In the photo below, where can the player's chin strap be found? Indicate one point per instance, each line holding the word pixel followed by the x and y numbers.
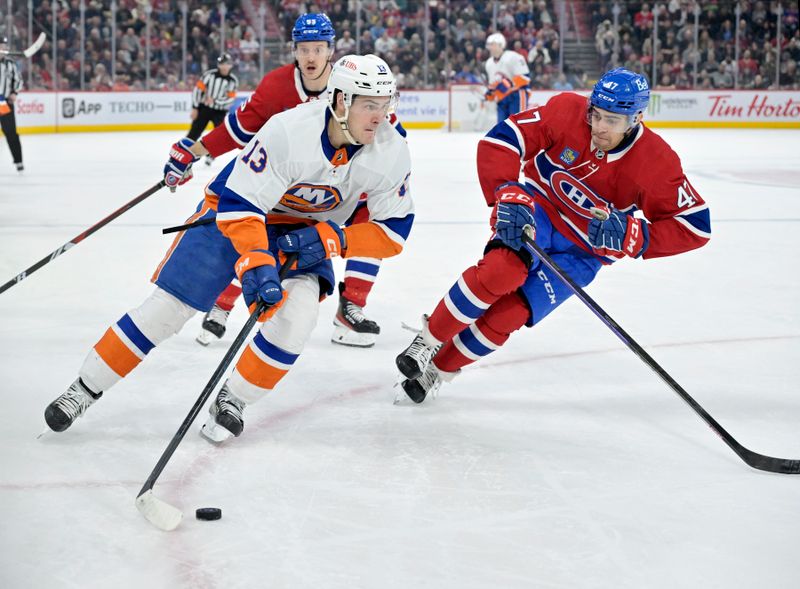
pixel 343 123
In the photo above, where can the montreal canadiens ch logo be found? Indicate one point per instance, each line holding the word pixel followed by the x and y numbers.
pixel 578 197
pixel 311 198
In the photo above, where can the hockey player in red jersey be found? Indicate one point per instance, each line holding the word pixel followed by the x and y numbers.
pixel 576 156
pixel 313 38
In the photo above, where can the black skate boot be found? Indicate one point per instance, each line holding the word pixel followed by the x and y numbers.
pixel 213 325
pixel 415 358
pixel 225 417
pixel 418 389
pixel 69 406
pixel 352 326
pixel 209 160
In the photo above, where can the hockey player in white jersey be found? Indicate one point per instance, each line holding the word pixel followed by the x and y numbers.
pixel 291 189
pixel 509 78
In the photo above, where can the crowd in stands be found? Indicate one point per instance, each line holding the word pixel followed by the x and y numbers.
pixel 456 37
pixel 130 62
pixel 631 45
pixel 396 30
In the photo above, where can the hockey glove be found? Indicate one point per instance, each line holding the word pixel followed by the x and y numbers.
pixel 260 282
pixel 513 211
pixel 314 244
pixel 178 169
pixel 499 90
pixel 612 231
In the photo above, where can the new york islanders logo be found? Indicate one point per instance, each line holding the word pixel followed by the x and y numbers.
pixel 311 198
pixel 573 193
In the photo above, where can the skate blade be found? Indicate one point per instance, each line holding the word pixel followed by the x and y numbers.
pixel 410 328
pixel 400 397
pixel 205 337
pixel 347 337
pixel 214 433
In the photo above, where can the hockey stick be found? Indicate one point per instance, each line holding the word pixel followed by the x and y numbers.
pixel 177 228
pixel 30 50
pixel 158 512
pixel 753 459
pixel 79 238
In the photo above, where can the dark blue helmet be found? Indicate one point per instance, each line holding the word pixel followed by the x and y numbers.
pixel 313 27
pixel 621 91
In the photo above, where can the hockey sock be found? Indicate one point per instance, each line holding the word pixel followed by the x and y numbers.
pixel 486 335
pixel 260 368
pixel 498 273
pixel 126 343
pixel 359 278
pixel 227 299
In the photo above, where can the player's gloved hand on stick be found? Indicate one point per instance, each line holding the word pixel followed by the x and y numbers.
pixel 499 90
pixel 612 231
pixel 178 169
pixel 513 211
pixel 259 277
pixel 314 244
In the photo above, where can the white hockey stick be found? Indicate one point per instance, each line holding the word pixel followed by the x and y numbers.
pixel 30 50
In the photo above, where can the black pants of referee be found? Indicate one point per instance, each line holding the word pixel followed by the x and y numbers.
pixel 204 115
pixel 8 123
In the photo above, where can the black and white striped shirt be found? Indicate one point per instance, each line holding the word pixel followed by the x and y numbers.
pixel 221 89
pixel 10 78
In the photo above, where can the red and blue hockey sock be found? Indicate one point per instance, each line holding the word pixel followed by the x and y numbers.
pixel 359 278
pixel 227 299
pixel 499 272
pixel 486 335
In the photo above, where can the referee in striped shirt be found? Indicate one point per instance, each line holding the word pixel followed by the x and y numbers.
pixel 10 84
pixel 212 96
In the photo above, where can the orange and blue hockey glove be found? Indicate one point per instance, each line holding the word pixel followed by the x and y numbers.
pixel 259 277
pixel 314 244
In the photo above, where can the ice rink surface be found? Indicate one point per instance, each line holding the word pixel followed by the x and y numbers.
pixel 561 461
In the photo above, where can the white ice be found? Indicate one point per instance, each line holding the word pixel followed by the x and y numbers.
pixel 560 461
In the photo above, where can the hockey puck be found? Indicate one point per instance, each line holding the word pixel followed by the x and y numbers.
pixel 208 513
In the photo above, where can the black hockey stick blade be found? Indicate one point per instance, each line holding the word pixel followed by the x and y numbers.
pixel 753 459
pixel 158 512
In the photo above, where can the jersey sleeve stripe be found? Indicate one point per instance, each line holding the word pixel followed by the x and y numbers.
pixel 397 229
pixel 506 135
pixel 698 223
pixel 235 206
pixel 235 130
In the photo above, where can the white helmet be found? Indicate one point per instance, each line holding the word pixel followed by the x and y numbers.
pixel 366 75
pixel 497 38
pixel 359 75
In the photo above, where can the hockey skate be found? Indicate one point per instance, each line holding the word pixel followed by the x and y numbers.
pixel 69 406
pixel 209 160
pixel 20 167
pixel 413 361
pixel 352 328
pixel 418 389
pixel 225 417
pixel 213 325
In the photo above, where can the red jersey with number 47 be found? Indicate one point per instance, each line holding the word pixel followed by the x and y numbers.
pixel 569 176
